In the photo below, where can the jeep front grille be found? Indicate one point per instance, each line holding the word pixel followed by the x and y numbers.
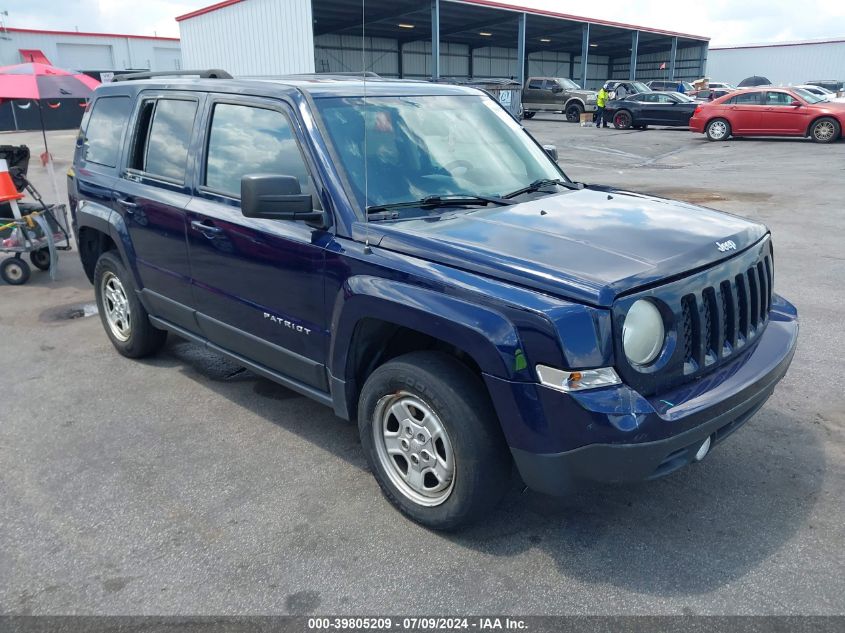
pixel 731 313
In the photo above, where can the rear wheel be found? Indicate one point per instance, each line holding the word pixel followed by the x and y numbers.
pixel 125 320
pixel 528 115
pixel 825 130
pixel 573 112
pixel 432 440
pixel 622 120
pixel 718 130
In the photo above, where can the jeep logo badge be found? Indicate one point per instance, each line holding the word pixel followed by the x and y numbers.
pixel 726 246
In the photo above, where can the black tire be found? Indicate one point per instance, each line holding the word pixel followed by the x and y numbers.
pixel 528 115
pixel 480 458
pixel 825 130
pixel 717 130
pixel 574 112
pixel 15 271
pixel 40 258
pixel 141 338
pixel 622 120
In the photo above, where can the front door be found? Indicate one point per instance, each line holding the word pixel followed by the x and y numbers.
pixel 152 194
pixel 258 284
pixel 780 116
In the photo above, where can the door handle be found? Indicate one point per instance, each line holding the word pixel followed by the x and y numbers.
pixel 206 229
pixel 127 204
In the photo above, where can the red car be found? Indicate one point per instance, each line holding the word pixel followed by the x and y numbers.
pixel 768 111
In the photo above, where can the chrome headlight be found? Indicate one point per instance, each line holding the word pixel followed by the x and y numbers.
pixel 643 333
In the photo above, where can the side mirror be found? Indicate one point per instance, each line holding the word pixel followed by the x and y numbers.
pixel 273 197
pixel 557 88
pixel 795 103
pixel 551 150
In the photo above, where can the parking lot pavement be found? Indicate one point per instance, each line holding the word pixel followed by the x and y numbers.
pixel 184 485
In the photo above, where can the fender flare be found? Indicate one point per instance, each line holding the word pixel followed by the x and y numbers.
pixel 572 100
pixel 484 334
pixel 107 221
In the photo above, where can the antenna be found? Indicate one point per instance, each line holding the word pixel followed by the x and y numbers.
pixel 367 249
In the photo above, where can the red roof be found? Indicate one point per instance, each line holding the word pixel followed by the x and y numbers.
pixel 493 4
pixel 86 34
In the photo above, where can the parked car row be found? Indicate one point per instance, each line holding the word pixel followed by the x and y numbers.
pixel 719 111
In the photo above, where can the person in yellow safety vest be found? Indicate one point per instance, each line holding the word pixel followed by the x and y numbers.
pixel 601 102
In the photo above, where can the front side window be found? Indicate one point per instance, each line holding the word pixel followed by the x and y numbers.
pixel 778 99
pixel 249 140
pixel 108 119
pixel 402 149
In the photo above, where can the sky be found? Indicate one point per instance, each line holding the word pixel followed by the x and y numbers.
pixel 724 21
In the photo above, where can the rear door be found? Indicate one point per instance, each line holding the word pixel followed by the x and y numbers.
pixel 258 284
pixel 152 194
pixel 781 117
pixel 532 96
pixel 745 112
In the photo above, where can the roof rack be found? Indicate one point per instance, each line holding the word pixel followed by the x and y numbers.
pixel 213 73
pixel 350 73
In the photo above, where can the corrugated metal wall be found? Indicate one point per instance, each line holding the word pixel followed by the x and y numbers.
pixel 687 65
pixel 102 52
pixel 785 65
pixel 259 38
pixel 416 59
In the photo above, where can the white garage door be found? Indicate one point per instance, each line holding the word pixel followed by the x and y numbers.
pixel 85 56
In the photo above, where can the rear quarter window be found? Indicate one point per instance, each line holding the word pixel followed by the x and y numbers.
pixel 108 118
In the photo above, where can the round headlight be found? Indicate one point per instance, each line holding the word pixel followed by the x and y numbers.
pixel 643 333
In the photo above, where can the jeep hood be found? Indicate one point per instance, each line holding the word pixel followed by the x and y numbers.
pixel 588 245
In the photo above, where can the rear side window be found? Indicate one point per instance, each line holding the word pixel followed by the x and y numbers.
pixel 106 123
pixel 747 98
pixel 249 140
pixel 535 84
pixel 162 138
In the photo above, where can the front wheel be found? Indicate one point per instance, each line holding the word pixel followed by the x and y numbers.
pixel 15 271
pixel 718 130
pixel 125 320
pixel 432 440
pixel 825 130
pixel 573 112
pixel 622 120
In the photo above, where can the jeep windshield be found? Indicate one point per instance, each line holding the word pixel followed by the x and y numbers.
pixel 460 150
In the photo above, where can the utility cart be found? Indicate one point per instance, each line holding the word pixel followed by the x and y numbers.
pixel 34 228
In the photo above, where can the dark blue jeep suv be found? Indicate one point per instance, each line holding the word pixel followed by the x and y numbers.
pixel 407 254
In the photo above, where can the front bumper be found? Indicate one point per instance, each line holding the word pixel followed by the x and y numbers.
pixel 590 107
pixel 622 436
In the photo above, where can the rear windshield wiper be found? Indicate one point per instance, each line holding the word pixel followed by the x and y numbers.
pixel 540 184
pixel 435 202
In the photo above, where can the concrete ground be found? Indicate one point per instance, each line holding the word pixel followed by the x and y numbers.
pixel 181 485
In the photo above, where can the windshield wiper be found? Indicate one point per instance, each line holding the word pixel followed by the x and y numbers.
pixel 540 184
pixel 435 202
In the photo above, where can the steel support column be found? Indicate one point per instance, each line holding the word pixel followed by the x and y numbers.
pixel 585 53
pixel 673 56
pixel 520 51
pixel 702 60
pixel 435 39
pixel 635 42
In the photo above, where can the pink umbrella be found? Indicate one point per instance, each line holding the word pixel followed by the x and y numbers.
pixel 41 81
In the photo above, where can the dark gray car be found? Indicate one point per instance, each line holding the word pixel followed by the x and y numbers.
pixel 556 94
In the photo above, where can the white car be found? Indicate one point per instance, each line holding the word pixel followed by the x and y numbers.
pixel 824 93
pixel 714 85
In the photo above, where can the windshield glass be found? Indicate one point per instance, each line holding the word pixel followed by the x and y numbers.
pixel 807 96
pixel 430 146
pixel 568 84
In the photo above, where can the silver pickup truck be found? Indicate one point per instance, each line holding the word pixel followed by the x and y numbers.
pixel 556 94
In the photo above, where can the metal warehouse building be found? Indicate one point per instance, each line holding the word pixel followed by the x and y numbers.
pixel 459 39
pixel 783 64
